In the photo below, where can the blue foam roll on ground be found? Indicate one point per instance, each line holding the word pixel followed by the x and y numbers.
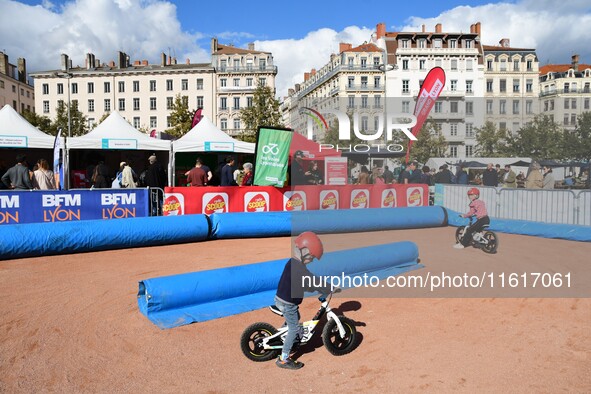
pixel 250 225
pixel 16 241
pixel 372 219
pixel 281 224
pixel 570 232
pixel 177 300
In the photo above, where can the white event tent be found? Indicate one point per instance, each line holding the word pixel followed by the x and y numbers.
pixel 17 132
pixel 206 137
pixel 115 133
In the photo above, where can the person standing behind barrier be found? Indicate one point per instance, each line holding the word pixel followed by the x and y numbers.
pixel 156 178
pixel 228 173
pixel 388 175
pixel 477 209
pixel 44 176
pixel 197 176
pixel 128 177
pixel 500 174
pixel 490 177
pixel 534 179
pixel 520 180
pixel 426 176
pixel 363 178
pixel 248 175
pixel 509 178
pixel 100 176
pixel 461 176
pixel 17 177
pixel 548 180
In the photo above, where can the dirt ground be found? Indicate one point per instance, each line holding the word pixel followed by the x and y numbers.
pixel 71 324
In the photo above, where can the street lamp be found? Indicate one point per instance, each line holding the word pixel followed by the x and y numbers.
pixel 68 76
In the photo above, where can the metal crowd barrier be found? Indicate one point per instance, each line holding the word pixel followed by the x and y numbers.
pixel 538 205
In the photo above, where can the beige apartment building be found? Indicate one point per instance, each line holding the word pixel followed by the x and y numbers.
pixel 237 73
pixel 565 91
pixel 14 87
pixel 144 93
pixel 351 80
pixel 512 89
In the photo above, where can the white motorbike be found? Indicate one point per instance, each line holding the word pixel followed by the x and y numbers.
pixel 263 342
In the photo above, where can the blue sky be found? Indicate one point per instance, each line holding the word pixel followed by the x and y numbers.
pixel 301 35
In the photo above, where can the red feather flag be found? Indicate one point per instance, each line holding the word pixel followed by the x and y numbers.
pixel 197 117
pixel 428 94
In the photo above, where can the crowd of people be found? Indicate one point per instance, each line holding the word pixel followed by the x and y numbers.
pixel 20 177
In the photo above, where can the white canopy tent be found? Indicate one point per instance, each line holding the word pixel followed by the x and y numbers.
pixel 206 137
pixel 17 132
pixel 436 162
pixel 115 133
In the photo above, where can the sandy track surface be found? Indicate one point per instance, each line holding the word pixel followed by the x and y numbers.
pixel 71 324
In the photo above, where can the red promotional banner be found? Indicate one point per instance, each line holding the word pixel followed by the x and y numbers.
pixel 208 200
pixel 428 94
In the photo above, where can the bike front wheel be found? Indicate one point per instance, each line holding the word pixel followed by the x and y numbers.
pixel 459 234
pixel 333 342
pixel 491 242
pixel 251 342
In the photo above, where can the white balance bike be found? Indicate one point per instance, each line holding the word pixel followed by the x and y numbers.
pixel 263 342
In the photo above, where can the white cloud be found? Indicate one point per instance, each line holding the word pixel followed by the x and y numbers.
pixel 555 29
pixel 142 29
pixel 295 57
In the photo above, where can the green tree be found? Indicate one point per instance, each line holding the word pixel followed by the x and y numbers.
pixel 490 141
pixel 181 117
pixel 577 143
pixel 540 139
pixel 78 122
pixel 429 143
pixel 263 112
pixel 43 123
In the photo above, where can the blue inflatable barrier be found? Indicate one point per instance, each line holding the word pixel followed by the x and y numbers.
pixel 177 300
pixel 42 239
pixel 569 232
pixel 282 224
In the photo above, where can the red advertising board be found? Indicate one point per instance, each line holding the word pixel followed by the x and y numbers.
pixel 199 200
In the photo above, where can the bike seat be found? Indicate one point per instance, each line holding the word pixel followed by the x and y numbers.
pixel 275 310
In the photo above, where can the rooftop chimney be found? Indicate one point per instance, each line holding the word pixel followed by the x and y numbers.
pixel 505 42
pixel 112 64
pixel 472 28
pixel 163 59
pixel 313 72
pixel 251 46
pixel 121 60
pixel 97 63
pixel 575 62
pixel 477 28
pixel 438 28
pixel 3 63
pixel 89 61
pixel 188 61
pixel 144 63
pixel 380 30
pixel 214 45
pixel 306 76
pixel 65 62
pixel 343 46
pixel 22 70
pixel 423 28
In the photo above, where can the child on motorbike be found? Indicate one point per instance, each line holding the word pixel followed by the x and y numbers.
pixel 478 209
pixel 290 291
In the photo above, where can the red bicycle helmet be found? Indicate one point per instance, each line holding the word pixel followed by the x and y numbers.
pixel 474 191
pixel 311 241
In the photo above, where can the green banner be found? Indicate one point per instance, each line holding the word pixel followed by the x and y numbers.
pixel 272 156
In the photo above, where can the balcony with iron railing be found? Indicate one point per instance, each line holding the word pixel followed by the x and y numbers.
pixel 247 69
pixel 365 87
pixel 553 92
pixel 342 67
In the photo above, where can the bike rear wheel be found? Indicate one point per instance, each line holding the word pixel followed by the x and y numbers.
pixel 492 242
pixel 251 342
pixel 333 342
